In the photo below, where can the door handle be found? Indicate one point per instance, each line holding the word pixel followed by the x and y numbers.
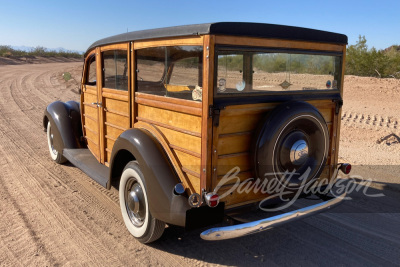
pixel 99 105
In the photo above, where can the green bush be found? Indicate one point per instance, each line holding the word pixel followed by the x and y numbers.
pixel 39 51
pixel 362 61
pixel 67 76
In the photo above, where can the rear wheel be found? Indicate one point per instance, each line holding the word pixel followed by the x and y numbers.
pixel 135 207
pixel 54 154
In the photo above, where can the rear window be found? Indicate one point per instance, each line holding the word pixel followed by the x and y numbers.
pixel 262 72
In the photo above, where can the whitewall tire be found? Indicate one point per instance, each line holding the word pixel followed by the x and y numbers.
pixel 135 206
pixel 54 154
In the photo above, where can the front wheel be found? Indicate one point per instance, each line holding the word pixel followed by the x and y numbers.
pixel 54 154
pixel 135 206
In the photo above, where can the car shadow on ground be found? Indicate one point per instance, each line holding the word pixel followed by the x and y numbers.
pixel 363 229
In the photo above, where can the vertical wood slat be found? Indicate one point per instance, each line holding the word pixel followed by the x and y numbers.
pixel 130 84
pixel 133 85
pixel 206 129
pixel 99 100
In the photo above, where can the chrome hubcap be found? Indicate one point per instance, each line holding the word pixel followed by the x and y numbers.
pixel 299 152
pixel 135 202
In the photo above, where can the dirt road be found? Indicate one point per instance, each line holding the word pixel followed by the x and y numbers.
pixel 53 215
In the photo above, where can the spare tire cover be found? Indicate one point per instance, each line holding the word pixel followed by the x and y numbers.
pixel 291 145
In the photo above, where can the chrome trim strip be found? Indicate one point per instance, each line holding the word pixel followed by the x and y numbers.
pixel 228 232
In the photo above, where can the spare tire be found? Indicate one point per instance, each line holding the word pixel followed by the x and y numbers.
pixel 291 145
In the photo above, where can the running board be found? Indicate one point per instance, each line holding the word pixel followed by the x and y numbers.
pixel 84 160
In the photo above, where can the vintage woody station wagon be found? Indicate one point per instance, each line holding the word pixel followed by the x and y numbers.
pixel 179 118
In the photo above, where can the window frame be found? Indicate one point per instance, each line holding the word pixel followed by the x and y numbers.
pixel 253 49
pixel 103 68
pixel 88 62
pixel 169 68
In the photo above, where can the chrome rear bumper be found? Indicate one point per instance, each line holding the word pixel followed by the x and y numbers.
pixel 228 232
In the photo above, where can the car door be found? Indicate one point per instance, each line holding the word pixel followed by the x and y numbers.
pixel 115 97
pixel 90 103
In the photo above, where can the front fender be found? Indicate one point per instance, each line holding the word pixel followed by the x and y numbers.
pixel 66 121
pixel 159 175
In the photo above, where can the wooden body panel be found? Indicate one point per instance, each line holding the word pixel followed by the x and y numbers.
pixel 233 137
pixel 201 152
pixel 276 43
pixel 115 109
pixel 90 119
pixel 179 131
pixel 116 121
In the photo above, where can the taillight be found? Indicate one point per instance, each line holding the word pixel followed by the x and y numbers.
pixel 211 199
pixel 345 168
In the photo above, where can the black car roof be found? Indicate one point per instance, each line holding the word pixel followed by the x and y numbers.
pixel 248 29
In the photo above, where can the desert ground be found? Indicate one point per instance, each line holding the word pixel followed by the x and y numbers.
pixel 55 215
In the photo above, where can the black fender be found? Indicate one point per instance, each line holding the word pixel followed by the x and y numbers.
pixel 66 124
pixel 159 174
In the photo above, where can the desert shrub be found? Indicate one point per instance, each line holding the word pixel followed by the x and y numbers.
pixel 362 61
pixel 67 76
pixel 39 51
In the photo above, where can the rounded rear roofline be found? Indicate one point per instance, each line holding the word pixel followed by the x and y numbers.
pixel 248 29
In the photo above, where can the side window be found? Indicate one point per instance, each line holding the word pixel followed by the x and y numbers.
pixel 174 71
pixel 230 72
pixel 150 70
pixel 91 71
pixel 115 69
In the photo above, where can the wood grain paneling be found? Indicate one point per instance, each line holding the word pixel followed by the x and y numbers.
pixel 116 105
pixel 207 148
pixel 234 143
pixel 89 98
pixel 112 131
pixel 114 47
pixel 93 125
pixel 93 136
pixel 177 123
pixel 121 97
pixel 227 162
pixel 171 100
pixel 186 141
pixel 154 130
pixel 171 118
pixel 109 142
pixel 188 162
pixel 197 40
pixel 116 119
pixel 91 90
pixel 234 135
pixel 169 106
pixel 276 43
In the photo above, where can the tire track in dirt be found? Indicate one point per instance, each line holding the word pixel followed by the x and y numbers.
pixel 23 141
pixel 369 121
pixel 48 211
pixel 19 141
pixel 66 218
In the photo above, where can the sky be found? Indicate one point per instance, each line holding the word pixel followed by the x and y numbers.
pixel 75 25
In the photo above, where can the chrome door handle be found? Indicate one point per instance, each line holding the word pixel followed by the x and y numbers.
pixel 97 104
